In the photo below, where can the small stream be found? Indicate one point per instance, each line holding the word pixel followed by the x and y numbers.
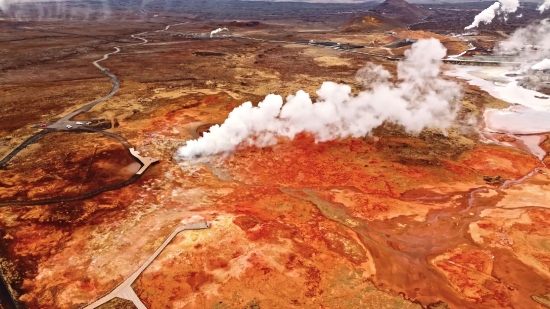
pixel 523 125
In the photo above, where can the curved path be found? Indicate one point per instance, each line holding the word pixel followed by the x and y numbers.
pixel 61 125
pixel 124 290
pixel 39 202
pixel 6 299
pixel 144 161
pixel 23 145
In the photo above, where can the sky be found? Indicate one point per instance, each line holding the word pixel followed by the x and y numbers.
pixel 359 1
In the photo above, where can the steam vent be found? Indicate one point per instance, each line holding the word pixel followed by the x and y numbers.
pixel 271 154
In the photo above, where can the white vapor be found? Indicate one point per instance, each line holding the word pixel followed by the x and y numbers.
pixel 421 98
pixel 486 16
pixel 544 6
pixel 217 31
pixel 55 9
pixel 542 65
pixel 530 45
pixel 501 7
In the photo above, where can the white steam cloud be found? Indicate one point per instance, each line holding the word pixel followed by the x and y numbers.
pixel 217 31
pixel 73 9
pixel 486 16
pixel 544 6
pixel 542 65
pixel 530 45
pixel 421 98
pixel 54 9
pixel 501 7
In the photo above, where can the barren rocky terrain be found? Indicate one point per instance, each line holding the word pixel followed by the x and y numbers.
pixel 391 220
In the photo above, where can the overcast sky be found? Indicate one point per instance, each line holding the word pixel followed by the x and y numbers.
pixel 412 1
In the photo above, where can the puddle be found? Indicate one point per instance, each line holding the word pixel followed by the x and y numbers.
pixel 524 122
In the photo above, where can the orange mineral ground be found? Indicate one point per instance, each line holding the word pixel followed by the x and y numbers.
pixel 388 221
pixel 380 222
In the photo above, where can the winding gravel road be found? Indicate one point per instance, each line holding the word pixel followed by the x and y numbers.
pixel 61 125
pixel 124 289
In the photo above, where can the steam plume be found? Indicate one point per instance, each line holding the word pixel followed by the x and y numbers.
pixel 531 44
pixel 217 31
pixel 421 98
pixel 55 9
pixel 544 6
pixel 542 65
pixel 501 7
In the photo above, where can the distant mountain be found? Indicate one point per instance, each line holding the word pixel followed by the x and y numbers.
pixel 402 11
pixel 373 22
pixel 363 1
pixel 319 1
pixel 366 1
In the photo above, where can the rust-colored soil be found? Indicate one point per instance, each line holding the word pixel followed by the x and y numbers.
pixel 61 168
pixel 386 221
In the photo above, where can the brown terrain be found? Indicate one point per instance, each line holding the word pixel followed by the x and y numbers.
pixel 453 17
pixel 402 10
pixel 388 15
pixel 391 220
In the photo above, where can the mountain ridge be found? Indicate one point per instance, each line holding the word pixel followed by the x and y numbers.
pixel 402 10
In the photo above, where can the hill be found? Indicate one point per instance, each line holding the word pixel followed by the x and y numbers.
pixel 402 11
pixel 372 22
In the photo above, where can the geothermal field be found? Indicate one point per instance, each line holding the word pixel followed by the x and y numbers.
pixel 264 154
